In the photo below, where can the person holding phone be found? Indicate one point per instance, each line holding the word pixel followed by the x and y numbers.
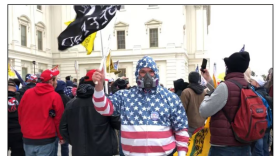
pixel 226 96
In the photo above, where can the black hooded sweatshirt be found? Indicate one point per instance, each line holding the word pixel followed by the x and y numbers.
pixel 89 133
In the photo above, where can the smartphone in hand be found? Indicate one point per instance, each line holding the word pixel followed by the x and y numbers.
pixel 203 66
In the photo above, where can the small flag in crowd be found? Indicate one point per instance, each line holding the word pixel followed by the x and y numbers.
pixel 202 80
pixel 242 49
pixel 19 77
pixel 89 19
pixel 109 65
pixel 116 64
pixel 214 76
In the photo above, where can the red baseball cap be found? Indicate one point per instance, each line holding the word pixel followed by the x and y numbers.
pixel 48 74
pixel 89 75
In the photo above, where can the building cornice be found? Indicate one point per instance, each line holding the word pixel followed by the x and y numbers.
pixel 28 56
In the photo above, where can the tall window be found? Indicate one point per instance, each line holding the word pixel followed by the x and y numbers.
pixel 23 35
pixel 154 37
pixel 121 39
pixel 23 71
pixel 39 7
pixel 40 40
pixel 123 73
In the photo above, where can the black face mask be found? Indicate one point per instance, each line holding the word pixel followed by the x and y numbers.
pixel 148 81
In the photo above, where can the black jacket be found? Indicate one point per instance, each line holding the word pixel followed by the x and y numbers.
pixel 64 97
pixel 25 88
pixel 13 124
pixel 89 133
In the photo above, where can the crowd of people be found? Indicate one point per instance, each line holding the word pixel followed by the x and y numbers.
pixel 142 120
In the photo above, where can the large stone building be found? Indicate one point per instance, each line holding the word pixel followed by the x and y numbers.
pixel 174 35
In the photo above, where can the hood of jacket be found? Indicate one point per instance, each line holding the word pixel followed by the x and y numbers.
pixel 85 91
pixel 60 86
pixel 197 88
pixel 43 88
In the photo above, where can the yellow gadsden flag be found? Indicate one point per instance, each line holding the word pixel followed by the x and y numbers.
pixel 88 42
pixel 110 66
pixel 10 71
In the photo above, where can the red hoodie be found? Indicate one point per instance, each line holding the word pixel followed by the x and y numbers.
pixel 33 112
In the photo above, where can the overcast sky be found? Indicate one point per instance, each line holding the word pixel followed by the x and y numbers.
pixel 235 25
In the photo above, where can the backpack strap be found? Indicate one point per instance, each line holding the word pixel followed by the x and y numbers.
pixel 236 83
pixel 241 87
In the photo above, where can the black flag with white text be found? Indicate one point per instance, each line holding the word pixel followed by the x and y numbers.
pixel 89 19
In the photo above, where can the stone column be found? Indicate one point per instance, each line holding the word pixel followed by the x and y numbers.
pixel 171 72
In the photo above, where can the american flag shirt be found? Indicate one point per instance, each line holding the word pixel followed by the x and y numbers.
pixel 153 122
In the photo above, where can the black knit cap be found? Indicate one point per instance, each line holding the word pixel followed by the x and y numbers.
pixel 238 62
pixel 194 77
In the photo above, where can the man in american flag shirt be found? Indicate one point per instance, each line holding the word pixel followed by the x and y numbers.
pixel 153 119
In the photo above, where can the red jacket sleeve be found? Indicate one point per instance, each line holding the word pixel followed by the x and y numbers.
pixel 59 108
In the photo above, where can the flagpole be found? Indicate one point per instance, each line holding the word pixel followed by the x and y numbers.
pixel 104 64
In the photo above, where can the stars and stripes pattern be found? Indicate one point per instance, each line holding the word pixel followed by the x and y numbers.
pixel 148 119
pixel 68 91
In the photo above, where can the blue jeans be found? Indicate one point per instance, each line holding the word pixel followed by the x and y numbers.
pixel 230 151
pixel 261 146
pixel 120 144
pixel 64 148
pixel 39 150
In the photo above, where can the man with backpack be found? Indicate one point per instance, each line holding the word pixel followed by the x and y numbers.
pixel 224 105
pixel 260 147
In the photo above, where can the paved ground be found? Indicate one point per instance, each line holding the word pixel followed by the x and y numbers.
pixel 59 152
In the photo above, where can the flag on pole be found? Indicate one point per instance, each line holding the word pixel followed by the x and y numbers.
pixel 10 71
pixel 19 77
pixel 88 43
pixel 242 49
pixel 89 19
pixel 214 76
pixel 202 80
pixel 109 65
